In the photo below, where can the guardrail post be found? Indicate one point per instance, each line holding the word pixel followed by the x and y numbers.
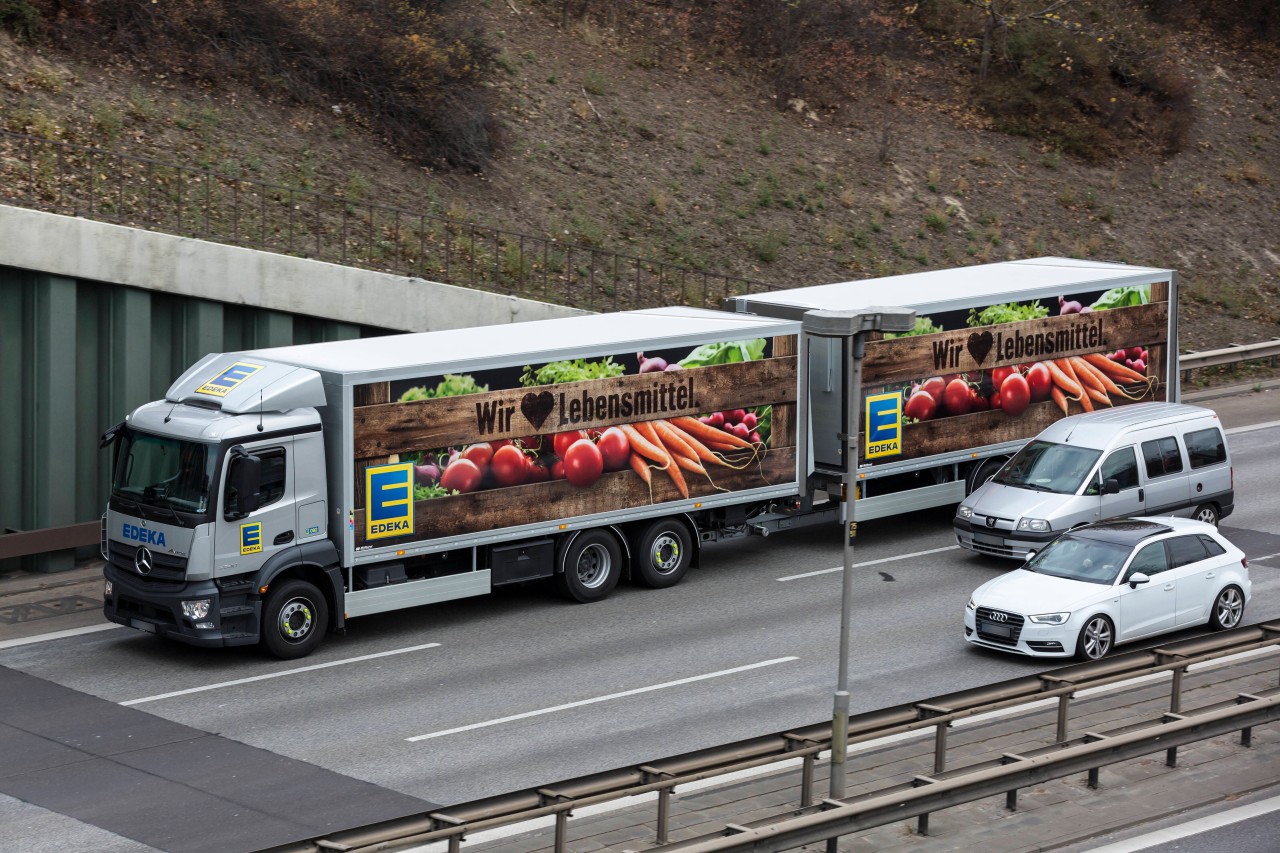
pixel 652 774
pixel 808 763
pixel 1090 737
pixel 562 817
pixel 1246 734
pixel 1171 754
pixel 940 733
pixel 922 822
pixel 1011 796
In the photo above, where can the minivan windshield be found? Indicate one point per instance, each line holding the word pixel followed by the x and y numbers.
pixel 164 472
pixel 1079 559
pixel 1048 467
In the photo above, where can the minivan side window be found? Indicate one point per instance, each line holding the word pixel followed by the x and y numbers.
pixel 1205 447
pixel 1162 457
pixel 1121 465
pixel 1184 550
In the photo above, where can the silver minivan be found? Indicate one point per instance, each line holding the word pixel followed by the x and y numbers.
pixel 1147 459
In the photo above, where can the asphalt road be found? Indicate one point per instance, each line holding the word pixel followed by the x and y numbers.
pixel 454 702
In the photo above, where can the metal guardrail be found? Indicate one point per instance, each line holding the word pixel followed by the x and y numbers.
pixel 1233 355
pixel 140 192
pixel 834 817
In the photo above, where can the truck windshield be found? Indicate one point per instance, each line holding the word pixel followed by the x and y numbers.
pixel 1048 467
pixel 164 472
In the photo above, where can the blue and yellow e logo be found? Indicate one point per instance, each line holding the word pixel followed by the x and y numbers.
pixel 388 501
pixel 251 538
pixel 219 385
pixel 883 426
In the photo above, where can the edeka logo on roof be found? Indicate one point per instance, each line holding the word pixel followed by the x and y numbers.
pixel 220 385
pixel 883 425
pixel 388 502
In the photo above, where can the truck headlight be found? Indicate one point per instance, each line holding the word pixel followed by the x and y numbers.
pixel 963 511
pixel 197 609
pixel 1037 524
pixel 106 588
pixel 1050 618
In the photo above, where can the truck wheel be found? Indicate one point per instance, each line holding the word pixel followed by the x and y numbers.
pixel 1208 513
pixel 983 471
pixel 294 620
pixel 590 567
pixel 662 554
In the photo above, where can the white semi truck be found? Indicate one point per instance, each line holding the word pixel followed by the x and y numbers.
pixel 274 494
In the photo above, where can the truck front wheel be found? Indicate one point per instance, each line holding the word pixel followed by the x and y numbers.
pixel 662 554
pixel 294 619
pixel 591 566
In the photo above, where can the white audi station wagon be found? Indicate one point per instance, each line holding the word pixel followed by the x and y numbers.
pixel 1108 583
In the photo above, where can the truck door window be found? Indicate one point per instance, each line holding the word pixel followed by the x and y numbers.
pixel 1162 457
pixel 273 474
pixel 1205 447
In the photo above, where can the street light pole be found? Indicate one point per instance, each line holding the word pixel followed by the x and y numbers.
pixel 851 327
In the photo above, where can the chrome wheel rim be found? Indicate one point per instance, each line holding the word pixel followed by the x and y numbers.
pixel 594 565
pixel 1096 638
pixel 665 554
pixel 1207 515
pixel 1230 607
pixel 295 620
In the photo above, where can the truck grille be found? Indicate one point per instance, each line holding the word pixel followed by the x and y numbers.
pixel 997 626
pixel 165 568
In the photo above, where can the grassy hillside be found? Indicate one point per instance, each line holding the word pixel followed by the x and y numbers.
pixel 635 128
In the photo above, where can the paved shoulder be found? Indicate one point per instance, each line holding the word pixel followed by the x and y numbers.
pixel 167 785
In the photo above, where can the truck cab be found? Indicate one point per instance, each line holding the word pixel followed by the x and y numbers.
pixel 218 499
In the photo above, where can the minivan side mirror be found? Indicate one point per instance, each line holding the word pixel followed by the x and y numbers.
pixel 1111 486
pixel 1137 578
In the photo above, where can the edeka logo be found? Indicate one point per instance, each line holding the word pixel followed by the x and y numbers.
pixel 883 426
pixel 142 534
pixel 251 538
pixel 221 384
pixel 388 501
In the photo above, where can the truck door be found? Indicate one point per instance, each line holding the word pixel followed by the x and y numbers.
pixel 1168 489
pixel 244 544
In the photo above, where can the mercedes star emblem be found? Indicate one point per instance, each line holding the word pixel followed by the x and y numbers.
pixel 143 561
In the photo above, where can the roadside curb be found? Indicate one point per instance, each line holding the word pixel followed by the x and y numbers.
pixel 1231 391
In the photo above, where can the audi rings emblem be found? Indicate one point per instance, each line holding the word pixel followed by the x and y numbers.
pixel 143 561
pixel 991 521
pixel 996 616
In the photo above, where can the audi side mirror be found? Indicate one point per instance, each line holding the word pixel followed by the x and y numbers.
pixel 1137 578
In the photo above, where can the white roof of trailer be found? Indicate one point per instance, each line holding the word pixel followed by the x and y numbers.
pixel 535 341
pixel 959 287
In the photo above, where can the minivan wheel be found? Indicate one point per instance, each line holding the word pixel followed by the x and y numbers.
pixel 1228 609
pixel 1208 513
pixel 1096 638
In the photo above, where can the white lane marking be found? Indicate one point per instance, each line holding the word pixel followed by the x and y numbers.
pixel 1268 557
pixel 1252 427
pixel 569 705
pixel 872 562
pixel 56 635
pixel 535 824
pixel 1192 827
pixel 312 668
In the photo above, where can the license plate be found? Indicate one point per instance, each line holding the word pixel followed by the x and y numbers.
pixel 146 627
pixel 986 539
pixel 997 630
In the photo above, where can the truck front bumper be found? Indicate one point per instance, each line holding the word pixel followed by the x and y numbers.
pixel 232 619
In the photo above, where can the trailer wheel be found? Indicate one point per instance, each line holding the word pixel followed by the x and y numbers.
pixel 294 620
pixel 590 566
pixel 983 471
pixel 662 553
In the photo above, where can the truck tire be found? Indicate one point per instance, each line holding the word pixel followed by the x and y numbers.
pixel 294 619
pixel 983 471
pixel 590 567
pixel 662 553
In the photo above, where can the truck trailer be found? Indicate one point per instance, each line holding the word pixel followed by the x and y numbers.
pixel 274 494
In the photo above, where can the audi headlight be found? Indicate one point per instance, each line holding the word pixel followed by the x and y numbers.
pixel 1050 618
pixel 972 605
pixel 197 609
pixel 1037 524
pixel 963 511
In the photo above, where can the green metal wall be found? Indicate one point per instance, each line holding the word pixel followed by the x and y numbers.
pixel 75 357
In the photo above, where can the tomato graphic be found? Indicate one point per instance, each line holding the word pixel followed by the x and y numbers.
pixel 1040 381
pixel 956 397
pixel 615 449
pixel 510 467
pixel 920 406
pixel 461 475
pixel 583 463
pixel 1015 394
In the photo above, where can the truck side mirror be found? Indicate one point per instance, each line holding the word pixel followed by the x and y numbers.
pixel 109 437
pixel 1111 486
pixel 244 479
